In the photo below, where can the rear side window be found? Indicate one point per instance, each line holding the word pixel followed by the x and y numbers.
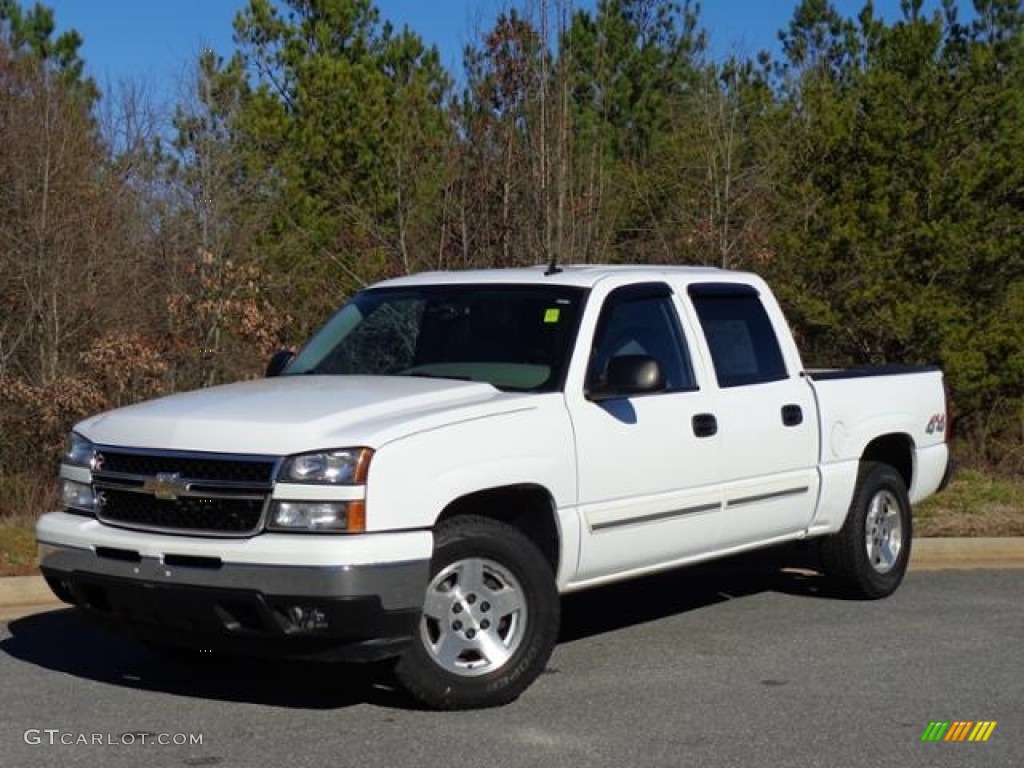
pixel 744 348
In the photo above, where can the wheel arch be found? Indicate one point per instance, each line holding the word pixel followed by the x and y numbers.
pixel 527 507
pixel 896 450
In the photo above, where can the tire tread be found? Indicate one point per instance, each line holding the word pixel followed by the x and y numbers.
pixel 421 678
pixel 843 557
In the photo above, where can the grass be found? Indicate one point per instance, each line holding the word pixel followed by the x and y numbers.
pixel 975 504
pixel 22 498
pixel 17 548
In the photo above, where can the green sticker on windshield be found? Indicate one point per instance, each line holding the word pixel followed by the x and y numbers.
pixel 551 315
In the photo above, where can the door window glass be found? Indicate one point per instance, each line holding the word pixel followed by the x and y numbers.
pixel 744 348
pixel 642 323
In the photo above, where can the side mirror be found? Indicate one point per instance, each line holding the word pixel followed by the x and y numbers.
pixel 630 375
pixel 279 362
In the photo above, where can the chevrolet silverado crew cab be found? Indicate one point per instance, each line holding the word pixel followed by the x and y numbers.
pixel 453 451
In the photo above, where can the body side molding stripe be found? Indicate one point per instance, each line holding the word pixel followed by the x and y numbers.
pixel 655 517
pixel 767 496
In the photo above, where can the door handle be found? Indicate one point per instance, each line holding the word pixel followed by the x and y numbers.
pixel 792 415
pixel 705 425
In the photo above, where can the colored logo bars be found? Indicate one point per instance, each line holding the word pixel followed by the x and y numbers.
pixel 958 730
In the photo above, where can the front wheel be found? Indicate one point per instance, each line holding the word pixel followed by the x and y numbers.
pixel 490 618
pixel 868 557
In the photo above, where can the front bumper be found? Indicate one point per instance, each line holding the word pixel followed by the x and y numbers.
pixel 201 593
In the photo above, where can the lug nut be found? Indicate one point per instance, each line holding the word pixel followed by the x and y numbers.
pixel 456 625
pixel 457 608
pixel 470 633
pixel 485 624
pixel 471 599
pixel 485 606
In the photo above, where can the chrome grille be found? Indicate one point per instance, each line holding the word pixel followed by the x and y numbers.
pixel 221 516
pixel 197 466
pixel 200 493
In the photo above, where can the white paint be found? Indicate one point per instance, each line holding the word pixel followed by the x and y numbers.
pixel 631 488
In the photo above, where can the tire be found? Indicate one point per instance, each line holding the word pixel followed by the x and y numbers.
pixel 490 618
pixel 868 557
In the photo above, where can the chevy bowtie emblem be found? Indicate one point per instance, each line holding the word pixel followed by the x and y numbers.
pixel 167 486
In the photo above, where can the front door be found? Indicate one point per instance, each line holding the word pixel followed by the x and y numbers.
pixel 649 465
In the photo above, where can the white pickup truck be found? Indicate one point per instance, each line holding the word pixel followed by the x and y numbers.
pixel 454 450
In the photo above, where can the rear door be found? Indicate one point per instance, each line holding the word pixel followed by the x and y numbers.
pixel 766 417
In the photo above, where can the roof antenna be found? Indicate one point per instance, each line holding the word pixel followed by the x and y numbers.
pixel 553 268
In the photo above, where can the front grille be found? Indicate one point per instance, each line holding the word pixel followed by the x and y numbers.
pixel 206 494
pixel 209 515
pixel 219 468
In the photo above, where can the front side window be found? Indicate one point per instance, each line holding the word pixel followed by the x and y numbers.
pixel 513 337
pixel 641 320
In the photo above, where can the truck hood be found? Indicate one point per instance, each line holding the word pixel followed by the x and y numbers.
pixel 293 414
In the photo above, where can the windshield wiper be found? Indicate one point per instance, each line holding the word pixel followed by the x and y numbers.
pixel 425 375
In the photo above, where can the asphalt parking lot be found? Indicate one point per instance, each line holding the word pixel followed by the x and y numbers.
pixel 737 664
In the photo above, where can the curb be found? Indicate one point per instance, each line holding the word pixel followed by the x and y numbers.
pixel 25 590
pixel 937 554
pixel 927 555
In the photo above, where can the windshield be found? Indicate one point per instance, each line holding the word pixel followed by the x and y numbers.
pixel 513 337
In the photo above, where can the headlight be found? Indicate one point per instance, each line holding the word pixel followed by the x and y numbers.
pixel 79 452
pixel 78 496
pixel 326 516
pixel 344 466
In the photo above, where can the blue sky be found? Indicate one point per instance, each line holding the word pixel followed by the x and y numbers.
pixel 156 41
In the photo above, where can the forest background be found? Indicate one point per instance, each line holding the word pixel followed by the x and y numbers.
pixel 871 170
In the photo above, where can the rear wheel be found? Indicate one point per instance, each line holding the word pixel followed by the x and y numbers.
pixel 490 618
pixel 868 557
